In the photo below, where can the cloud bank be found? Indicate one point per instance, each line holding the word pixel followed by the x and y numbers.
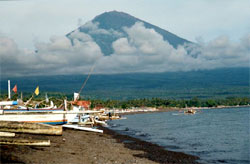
pixel 143 50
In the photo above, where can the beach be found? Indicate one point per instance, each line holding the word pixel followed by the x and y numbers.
pixel 86 147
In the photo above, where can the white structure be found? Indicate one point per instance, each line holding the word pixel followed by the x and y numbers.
pixel 9 96
pixel 76 96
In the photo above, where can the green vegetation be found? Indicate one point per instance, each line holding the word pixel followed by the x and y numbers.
pixel 58 98
pixel 164 103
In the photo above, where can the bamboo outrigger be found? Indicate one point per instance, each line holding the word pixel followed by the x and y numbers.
pixel 33 128
pixel 7 134
pixel 17 141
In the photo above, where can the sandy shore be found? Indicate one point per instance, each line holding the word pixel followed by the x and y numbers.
pixel 87 147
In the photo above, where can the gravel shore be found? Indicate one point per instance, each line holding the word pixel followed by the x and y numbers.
pixel 80 147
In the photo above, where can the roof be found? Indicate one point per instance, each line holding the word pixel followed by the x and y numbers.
pixel 83 103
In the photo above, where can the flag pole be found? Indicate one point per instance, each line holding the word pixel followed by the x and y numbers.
pixel 9 94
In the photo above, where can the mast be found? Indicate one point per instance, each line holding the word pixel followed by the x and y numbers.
pixel 83 85
pixel 21 95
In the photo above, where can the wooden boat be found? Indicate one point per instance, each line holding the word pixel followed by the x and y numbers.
pixel 10 112
pixel 50 116
pixel 190 111
pixel 32 110
pixel 55 117
pixel 14 107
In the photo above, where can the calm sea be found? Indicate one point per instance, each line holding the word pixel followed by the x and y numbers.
pixel 215 135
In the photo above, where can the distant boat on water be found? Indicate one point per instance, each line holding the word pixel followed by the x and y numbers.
pixel 190 111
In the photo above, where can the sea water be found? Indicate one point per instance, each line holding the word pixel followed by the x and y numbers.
pixel 215 135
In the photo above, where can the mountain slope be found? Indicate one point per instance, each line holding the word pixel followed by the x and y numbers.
pixel 203 84
pixel 116 21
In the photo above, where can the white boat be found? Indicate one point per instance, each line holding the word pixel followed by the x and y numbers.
pixel 46 117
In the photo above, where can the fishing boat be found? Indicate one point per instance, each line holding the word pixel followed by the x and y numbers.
pixel 14 107
pixel 27 109
pixel 190 111
pixel 55 116
pixel 12 111
pixel 49 117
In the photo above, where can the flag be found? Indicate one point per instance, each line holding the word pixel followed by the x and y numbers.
pixel 15 89
pixel 37 90
pixel 46 98
pixel 76 96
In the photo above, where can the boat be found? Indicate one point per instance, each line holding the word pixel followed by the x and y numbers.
pixel 20 108
pixel 44 116
pixel 12 111
pixel 190 111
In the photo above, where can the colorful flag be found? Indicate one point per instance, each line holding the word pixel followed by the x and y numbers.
pixel 15 89
pixel 37 90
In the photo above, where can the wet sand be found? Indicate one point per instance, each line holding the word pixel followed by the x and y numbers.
pixel 87 147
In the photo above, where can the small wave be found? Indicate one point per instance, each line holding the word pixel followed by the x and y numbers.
pixel 114 125
pixel 173 147
pixel 141 134
pixel 177 114
pixel 168 138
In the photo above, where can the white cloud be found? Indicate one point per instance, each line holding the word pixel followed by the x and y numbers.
pixel 144 50
pixel 93 28
pixel 57 57
pixel 121 46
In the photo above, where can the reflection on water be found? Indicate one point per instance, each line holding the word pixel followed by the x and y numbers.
pixel 215 135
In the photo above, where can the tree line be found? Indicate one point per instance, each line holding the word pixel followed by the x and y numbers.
pixel 143 102
pixel 164 103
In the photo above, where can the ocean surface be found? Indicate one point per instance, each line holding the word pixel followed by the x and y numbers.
pixel 215 135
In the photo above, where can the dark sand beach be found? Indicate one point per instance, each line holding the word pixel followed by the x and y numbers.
pixel 87 147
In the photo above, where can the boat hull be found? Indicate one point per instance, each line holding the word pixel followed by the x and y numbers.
pixel 32 110
pixel 49 117
pixel 39 118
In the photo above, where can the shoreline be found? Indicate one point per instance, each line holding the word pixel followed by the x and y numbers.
pixel 155 110
pixel 86 147
pixel 152 151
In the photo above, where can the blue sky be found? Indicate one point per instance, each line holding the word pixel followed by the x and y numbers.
pixel 28 21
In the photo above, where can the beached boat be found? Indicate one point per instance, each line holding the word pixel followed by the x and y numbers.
pixel 12 112
pixel 40 116
pixel 54 116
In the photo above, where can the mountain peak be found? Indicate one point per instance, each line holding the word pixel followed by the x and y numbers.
pixel 114 13
pixel 116 21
